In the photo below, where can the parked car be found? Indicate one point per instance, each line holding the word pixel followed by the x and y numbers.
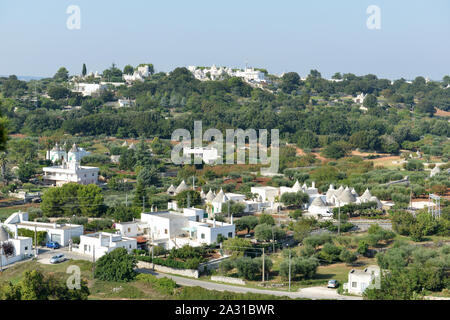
pixel 333 284
pixel 52 245
pixel 58 258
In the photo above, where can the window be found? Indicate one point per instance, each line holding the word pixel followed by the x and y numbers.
pixel 129 229
pixel 230 234
pixel 165 231
pixel 354 284
pixel 203 236
pixel 26 248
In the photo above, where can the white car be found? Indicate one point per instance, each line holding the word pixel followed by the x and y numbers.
pixel 57 259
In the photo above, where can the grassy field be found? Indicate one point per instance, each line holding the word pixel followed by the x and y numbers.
pixel 134 290
pixel 5 212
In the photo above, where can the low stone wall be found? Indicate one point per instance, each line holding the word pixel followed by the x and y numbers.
pixel 228 280
pixel 182 272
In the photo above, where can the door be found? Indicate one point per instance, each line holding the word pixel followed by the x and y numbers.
pixel 56 238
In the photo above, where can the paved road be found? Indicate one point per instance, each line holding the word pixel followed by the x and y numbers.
pixel 310 293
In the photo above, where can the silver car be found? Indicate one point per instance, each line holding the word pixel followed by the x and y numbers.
pixel 57 259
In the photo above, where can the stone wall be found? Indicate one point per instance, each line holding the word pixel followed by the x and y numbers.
pixel 183 272
pixel 228 280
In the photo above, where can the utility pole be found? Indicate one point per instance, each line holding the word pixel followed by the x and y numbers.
pixel 228 205
pixel 263 265
pixel 289 269
pixel 1 259
pixel 153 262
pixel 143 203
pixel 93 262
pixel 273 241
pixel 35 242
pixel 339 217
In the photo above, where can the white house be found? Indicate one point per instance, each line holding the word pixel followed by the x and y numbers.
pixel 23 247
pixel 360 98
pixel 127 229
pixel 71 170
pixel 60 233
pixel 173 229
pixel 360 280
pixel 88 89
pixel 436 170
pixel 139 74
pixel 101 243
pixel 249 75
pixel 58 154
pixel 209 155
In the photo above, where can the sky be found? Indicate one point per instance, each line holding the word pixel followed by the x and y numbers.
pixel 280 36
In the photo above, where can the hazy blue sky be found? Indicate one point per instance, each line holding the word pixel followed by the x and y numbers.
pixel 283 35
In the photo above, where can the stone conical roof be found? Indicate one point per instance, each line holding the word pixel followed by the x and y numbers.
pixel 318 202
pixel 171 189
pixel 220 197
pixel 202 194
pixel 182 187
pixel 346 196
pixel 366 195
pixel 296 187
pixel 339 191
pixel 74 148
pixel 353 191
pixel 210 196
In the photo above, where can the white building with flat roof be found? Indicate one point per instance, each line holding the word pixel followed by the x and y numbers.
pixel 71 171
pixel 101 243
pixel 209 155
pixel 127 229
pixel 22 247
pixel 60 233
pixel 88 89
pixel 173 229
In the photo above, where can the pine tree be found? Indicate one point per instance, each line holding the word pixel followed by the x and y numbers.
pixel 84 72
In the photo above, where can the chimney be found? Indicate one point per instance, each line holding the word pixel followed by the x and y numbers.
pixel 16 229
pixel 214 222
pixel 313 184
pixel 231 221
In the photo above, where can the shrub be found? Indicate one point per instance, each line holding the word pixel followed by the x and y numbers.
pixel 117 265
pixel 330 253
pixel 305 267
pixel 347 256
pixel 363 247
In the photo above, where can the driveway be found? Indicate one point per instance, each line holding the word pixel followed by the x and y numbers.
pixel 45 254
pixel 316 294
